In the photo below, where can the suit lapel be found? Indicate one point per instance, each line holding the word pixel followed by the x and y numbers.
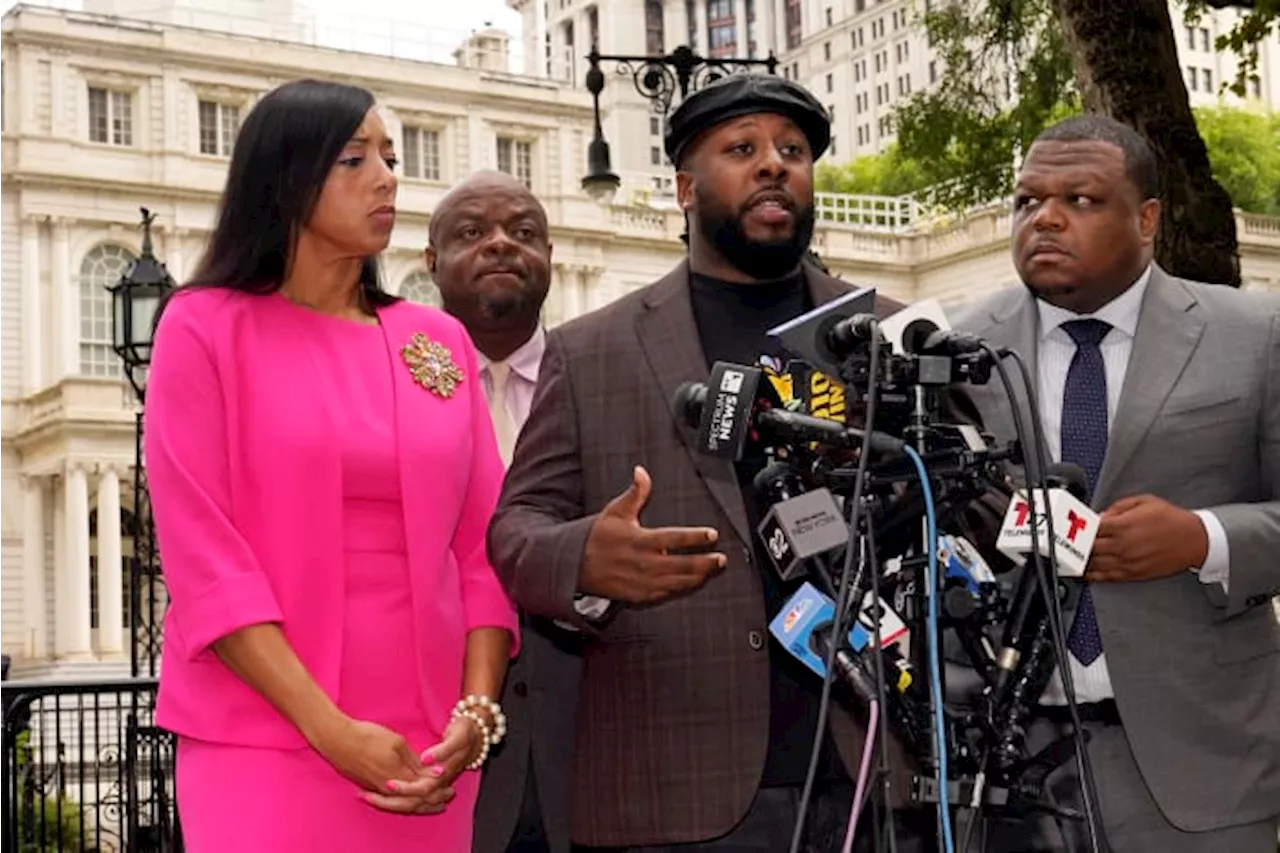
pixel 669 338
pixel 1169 330
pixel 1015 324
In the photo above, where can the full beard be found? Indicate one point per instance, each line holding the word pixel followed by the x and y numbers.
pixel 761 259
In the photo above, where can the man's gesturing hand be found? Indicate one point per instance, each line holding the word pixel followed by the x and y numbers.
pixel 627 562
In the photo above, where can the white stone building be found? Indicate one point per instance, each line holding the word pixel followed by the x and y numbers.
pixel 102 116
pixel 860 57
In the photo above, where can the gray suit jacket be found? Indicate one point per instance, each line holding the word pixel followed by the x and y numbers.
pixel 540 699
pixel 1196 674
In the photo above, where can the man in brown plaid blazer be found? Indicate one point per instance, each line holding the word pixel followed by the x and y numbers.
pixel 678 736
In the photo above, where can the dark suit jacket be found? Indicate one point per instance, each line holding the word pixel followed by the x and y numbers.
pixel 540 698
pixel 673 720
pixel 1196 674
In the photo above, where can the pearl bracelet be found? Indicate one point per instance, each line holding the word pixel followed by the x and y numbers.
pixel 478 721
pixel 472 702
pixel 469 708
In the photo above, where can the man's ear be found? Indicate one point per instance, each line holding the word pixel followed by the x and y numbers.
pixel 429 255
pixel 1149 220
pixel 684 190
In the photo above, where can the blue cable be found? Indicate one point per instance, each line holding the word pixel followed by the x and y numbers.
pixel 935 675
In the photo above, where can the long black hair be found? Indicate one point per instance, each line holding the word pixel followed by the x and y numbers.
pixel 286 147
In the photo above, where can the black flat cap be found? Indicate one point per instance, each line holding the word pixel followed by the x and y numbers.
pixel 746 94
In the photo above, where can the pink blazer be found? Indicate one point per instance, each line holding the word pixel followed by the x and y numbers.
pixel 245 480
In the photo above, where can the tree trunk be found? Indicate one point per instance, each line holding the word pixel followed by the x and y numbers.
pixel 1127 67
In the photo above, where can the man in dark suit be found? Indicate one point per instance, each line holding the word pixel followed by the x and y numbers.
pixel 490 256
pixel 694 726
pixel 1166 392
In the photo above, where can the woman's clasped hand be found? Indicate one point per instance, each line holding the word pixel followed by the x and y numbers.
pixel 394 777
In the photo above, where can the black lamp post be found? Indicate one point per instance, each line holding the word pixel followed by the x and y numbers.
pixel 135 299
pixel 656 78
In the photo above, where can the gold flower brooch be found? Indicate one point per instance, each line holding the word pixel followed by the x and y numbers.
pixel 431 365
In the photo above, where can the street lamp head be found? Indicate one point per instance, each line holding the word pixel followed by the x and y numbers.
pixel 657 79
pixel 135 299
pixel 600 182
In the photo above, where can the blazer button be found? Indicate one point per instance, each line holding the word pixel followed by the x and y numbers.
pixel 746 554
pixel 755 640
pixel 520 689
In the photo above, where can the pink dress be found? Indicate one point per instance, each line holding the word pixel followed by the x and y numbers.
pixel 292 800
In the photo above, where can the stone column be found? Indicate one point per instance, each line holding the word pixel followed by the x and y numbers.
pixel 34 598
pixel 174 259
pixel 574 292
pixel 32 309
pixel 593 291
pixel 74 637
pixel 740 27
pixel 65 299
pixel 110 575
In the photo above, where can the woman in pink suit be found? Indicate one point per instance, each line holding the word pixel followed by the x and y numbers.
pixel 322 469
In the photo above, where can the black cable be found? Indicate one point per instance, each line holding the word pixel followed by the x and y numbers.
pixel 977 811
pixel 824 703
pixel 1035 465
pixel 1084 766
pixel 884 782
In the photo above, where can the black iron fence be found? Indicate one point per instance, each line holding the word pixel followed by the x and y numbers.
pixel 86 769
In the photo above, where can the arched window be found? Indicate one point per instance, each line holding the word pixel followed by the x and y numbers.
pixel 101 268
pixel 419 288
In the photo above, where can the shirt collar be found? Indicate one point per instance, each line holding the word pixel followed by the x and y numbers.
pixel 526 360
pixel 1121 313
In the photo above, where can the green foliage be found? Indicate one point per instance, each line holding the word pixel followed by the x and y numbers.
pixel 1244 151
pixel 886 173
pixel 965 133
pixel 55 817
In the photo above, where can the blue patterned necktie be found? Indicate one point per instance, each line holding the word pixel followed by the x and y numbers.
pixel 1084 442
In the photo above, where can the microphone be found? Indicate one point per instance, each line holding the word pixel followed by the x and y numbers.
pixel 852 332
pixel 800 525
pixel 924 337
pixel 966 602
pixel 800 623
pixel 1075 526
pixel 735 407
pixel 962 561
pixel 803 628
pixel 903 323
pixel 809 335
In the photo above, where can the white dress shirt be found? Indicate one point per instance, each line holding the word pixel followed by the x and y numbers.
pixel 1056 349
pixel 522 377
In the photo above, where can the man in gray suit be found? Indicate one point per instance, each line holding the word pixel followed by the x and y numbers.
pixel 490 255
pixel 1167 393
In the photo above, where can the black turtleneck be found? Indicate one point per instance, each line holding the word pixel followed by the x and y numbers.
pixel 732 320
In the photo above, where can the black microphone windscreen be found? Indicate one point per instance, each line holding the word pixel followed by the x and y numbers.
pixel 915 333
pixel 778 482
pixel 688 401
pixel 1069 476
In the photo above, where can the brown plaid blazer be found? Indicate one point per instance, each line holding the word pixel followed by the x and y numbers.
pixel 673 715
